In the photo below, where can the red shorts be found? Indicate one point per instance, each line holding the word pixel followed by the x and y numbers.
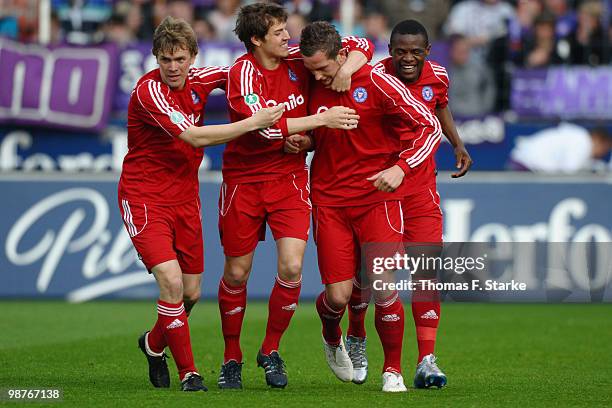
pixel 244 210
pixel 342 233
pixel 161 234
pixel 423 217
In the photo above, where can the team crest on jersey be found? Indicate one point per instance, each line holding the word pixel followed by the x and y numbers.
pixel 360 94
pixel 427 93
pixel 195 97
pixel 251 99
pixel 176 117
pixel 293 76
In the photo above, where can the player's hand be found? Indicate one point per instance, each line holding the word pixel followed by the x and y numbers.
pixel 341 81
pixel 463 161
pixel 266 117
pixel 297 143
pixel 388 180
pixel 340 117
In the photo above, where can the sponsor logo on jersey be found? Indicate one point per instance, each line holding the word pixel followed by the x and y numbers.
pixel 427 93
pixel 251 99
pixel 293 76
pixel 292 103
pixel 195 97
pixel 176 117
pixel 360 94
pixel 390 318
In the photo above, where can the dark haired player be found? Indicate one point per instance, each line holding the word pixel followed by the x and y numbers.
pixel 263 185
pixel 427 81
pixel 356 205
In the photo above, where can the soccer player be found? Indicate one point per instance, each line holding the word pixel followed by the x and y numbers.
pixel 409 47
pixel 262 184
pixel 158 190
pixel 357 214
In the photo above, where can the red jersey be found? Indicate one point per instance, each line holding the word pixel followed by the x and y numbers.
pixel 389 118
pixel 159 167
pixel 431 89
pixel 258 156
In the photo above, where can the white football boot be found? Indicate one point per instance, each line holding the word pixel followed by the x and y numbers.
pixel 393 382
pixel 338 360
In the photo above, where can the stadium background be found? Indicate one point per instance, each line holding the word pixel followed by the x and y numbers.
pixel 66 72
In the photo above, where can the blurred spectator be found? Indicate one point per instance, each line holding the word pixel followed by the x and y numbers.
pixel 430 13
pixel 116 31
pixel 472 89
pixel 587 42
pixel 520 28
pixel 481 22
pixel 82 19
pixel 564 15
pixel 358 29
pixel 204 30
pixel 567 149
pixel 180 9
pixel 9 25
pixel 295 24
pixel 376 28
pixel 57 36
pixel 223 19
pixel 541 50
pixel 301 7
pixel 323 10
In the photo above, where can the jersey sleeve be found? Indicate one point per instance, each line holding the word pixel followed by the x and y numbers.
pixel 363 45
pixel 442 76
pixel 245 97
pixel 209 78
pixel 160 109
pixel 418 129
pixel 351 43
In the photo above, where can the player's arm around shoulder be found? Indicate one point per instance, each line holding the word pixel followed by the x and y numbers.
pixel 360 52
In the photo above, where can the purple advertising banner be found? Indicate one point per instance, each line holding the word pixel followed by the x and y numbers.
pixel 563 92
pixel 63 87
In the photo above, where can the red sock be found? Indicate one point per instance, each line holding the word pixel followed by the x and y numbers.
pixel 173 319
pixel 389 322
pixel 281 307
pixel 358 307
pixel 426 314
pixel 232 304
pixel 330 319
pixel 156 340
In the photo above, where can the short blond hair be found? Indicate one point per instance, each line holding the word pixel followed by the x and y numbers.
pixel 173 34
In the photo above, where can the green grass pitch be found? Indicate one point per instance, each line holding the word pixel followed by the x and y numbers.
pixel 494 355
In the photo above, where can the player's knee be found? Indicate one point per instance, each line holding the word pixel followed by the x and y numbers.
pixel 290 271
pixel 235 276
pixel 337 300
pixel 171 289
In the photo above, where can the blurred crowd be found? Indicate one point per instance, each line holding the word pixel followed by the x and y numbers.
pixel 487 39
